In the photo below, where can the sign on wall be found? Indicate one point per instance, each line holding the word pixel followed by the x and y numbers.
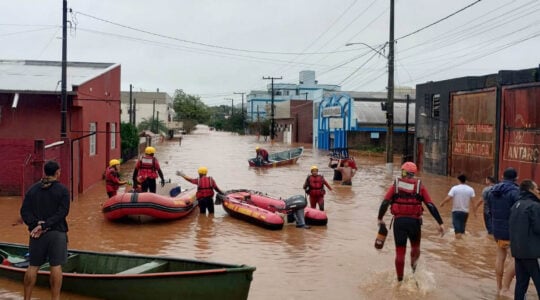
pixel 333 111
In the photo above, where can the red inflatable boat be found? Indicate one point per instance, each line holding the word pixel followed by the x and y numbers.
pixel 266 211
pixel 144 206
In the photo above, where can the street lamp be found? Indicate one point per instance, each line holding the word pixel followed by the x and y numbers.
pixel 390 98
pixel 389 105
pixel 378 51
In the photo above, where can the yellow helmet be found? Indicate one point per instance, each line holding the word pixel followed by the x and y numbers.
pixel 114 162
pixel 314 168
pixel 149 150
pixel 203 170
pixel 257 148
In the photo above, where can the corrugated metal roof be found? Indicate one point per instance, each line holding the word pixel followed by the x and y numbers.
pixel 370 112
pixel 45 76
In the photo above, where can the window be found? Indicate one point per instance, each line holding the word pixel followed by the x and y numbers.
pixel 113 135
pixel 435 106
pixel 92 144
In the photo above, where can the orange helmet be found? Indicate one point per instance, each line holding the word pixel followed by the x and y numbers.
pixel 409 167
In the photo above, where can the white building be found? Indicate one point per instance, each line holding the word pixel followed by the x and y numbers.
pixel 307 88
pixel 146 105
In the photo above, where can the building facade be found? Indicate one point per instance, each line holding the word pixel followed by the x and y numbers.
pixel 147 106
pixel 357 120
pixel 34 127
pixel 480 125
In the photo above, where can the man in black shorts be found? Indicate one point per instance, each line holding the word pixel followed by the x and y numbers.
pixel 44 210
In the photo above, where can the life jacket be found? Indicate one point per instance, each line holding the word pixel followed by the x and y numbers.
pixel 407 201
pixel 204 187
pixel 147 168
pixel 110 175
pixel 316 185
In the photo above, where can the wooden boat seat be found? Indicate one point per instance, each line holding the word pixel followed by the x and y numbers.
pixel 148 267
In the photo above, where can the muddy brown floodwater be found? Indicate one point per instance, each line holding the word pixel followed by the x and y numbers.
pixel 337 261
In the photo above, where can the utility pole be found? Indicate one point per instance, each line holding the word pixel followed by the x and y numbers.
pixel 63 109
pixel 157 121
pixel 243 118
pixel 130 110
pixel 390 101
pixel 273 121
pixel 232 105
pixel 134 111
pixel 406 154
pixel 153 113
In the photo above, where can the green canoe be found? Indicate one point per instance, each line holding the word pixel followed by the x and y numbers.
pixel 123 276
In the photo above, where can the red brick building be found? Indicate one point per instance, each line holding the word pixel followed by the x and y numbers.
pixel 294 121
pixel 31 122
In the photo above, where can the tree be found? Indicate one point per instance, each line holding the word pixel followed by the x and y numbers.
pixel 190 110
pixel 130 140
pixel 153 125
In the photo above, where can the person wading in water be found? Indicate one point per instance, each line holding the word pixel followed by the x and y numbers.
pixel 405 198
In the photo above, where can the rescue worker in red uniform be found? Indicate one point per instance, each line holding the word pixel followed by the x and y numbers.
pixel 314 187
pixel 112 178
pixel 405 198
pixel 261 155
pixel 205 189
pixel 146 171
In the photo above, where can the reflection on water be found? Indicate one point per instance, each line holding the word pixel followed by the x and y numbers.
pixel 337 261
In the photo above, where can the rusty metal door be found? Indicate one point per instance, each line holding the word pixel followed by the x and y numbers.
pixel 472 132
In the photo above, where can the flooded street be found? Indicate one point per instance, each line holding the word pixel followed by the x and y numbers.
pixel 337 261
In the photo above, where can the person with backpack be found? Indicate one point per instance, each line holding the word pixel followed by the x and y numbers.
pixel 405 198
pixel 146 172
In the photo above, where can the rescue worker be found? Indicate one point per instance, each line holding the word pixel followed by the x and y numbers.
pixel 146 171
pixel 314 187
pixel 261 155
pixel 112 178
pixel 205 189
pixel 405 198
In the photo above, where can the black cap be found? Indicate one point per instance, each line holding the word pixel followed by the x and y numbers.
pixel 510 174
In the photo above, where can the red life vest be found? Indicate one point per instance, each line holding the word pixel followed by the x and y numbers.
pixel 147 168
pixel 316 185
pixel 407 201
pixel 204 187
pixel 111 179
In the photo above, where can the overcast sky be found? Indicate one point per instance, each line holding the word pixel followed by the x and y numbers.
pixel 214 48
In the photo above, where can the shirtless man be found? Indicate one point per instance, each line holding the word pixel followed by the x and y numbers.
pixel 347 173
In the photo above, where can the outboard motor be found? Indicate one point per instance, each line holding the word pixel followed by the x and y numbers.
pixel 295 202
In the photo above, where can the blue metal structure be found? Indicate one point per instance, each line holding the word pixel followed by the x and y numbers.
pixel 329 135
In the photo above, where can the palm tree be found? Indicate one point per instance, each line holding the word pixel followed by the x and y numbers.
pixel 153 125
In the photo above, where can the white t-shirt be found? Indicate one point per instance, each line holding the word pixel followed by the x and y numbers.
pixel 461 197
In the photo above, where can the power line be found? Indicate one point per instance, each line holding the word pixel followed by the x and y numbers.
pixel 438 21
pixel 203 44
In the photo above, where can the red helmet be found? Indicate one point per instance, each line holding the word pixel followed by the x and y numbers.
pixel 409 167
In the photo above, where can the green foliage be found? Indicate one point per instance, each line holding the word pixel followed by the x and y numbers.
pixel 130 140
pixel 190 107
pixel 153 125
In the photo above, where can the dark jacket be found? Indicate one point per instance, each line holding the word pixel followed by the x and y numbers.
pixel 46 201
pixel 525 226
pixel 501 197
